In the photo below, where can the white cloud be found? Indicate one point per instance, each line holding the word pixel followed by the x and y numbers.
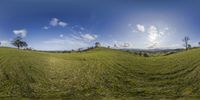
pixel 153 34
pixel 140 28
pixel 89 37
pixel 61 35
pixel 4 43
pixel 21 32
pixel 57 22
pixel 54 22
pixel 63 24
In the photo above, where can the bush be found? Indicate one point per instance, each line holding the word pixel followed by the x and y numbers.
pixel 146 55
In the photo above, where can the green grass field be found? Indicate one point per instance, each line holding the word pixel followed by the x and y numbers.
pixel 98 74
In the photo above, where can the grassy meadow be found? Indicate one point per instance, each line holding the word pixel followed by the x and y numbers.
pixel 100 73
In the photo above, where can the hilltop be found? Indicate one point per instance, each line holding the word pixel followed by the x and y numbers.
pixel 99 73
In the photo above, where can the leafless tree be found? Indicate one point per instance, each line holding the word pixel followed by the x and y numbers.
pixel 186 40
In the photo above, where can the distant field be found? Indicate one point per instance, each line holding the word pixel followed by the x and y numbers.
pixel 98 74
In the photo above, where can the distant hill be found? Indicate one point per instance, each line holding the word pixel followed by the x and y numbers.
pixel 98 73
pixel 154 50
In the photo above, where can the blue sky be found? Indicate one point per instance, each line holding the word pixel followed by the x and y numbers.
pixel 72 24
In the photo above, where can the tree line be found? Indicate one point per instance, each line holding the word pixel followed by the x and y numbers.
pixel 20 43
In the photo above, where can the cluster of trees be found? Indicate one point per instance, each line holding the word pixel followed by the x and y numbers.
pixel 144 54
pixel 20 43
pixel 97 44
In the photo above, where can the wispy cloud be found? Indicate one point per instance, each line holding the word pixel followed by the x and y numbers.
pixel 54 22
pixel 88 37
pixel 46 27
pixel 72 41
pixel 62 24
pixel 4 43
pixel 21 32
pixel 80 36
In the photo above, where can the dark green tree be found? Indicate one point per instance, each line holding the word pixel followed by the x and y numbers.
pixel 19 43
pixel 189 46
pixel 97 44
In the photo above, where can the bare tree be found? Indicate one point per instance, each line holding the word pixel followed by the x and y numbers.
pixel 186 40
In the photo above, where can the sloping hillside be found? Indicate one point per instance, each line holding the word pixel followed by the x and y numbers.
pixel 99 74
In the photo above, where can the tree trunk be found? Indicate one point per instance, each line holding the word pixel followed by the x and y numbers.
pixel 186 43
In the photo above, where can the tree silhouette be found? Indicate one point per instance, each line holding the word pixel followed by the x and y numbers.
pixel 115 45
pixel 186 40
pixel 19 43
pixel 97 44
pixel 189 46
pixel 199 43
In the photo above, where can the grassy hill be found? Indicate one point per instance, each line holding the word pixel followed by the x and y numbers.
pixel 98 74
